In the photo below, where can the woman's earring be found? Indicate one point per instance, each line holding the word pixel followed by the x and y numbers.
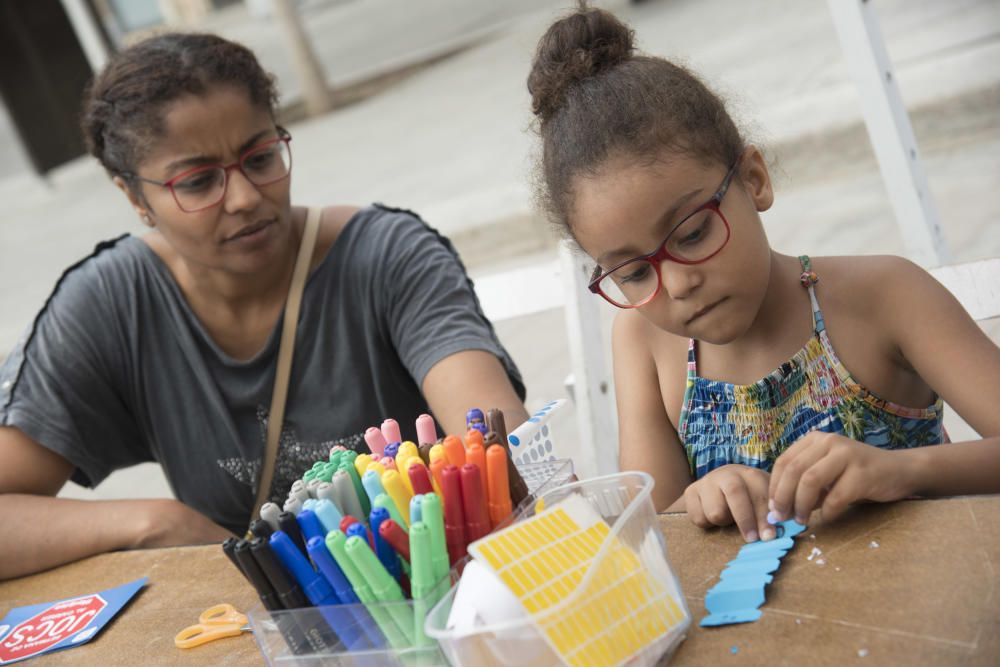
pixel 146 220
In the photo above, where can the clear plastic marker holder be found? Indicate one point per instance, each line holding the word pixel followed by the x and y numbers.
pixel 625 505
pixel 381 634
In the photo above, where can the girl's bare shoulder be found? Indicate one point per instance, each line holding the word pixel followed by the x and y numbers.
pixel 864 285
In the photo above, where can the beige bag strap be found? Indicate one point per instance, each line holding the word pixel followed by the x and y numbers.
pixel 285 349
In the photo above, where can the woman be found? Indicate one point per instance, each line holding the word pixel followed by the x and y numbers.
pixel 164 347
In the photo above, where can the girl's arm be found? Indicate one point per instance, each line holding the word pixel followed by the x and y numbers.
pixel 647 439
pixel 53 531
pixel 946 348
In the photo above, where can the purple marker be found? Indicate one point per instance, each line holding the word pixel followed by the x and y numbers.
pixel 475 419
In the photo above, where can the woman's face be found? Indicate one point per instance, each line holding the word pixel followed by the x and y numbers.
pixel 251 226
pixel 627 208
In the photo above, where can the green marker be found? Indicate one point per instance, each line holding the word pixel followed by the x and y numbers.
pixel 366 507
pixel 383 500
pixel 308 476
pixel 423 580
pixel 432 515
pixel 326 472
pixel 335 456
pixel 385 588
pixel 335 543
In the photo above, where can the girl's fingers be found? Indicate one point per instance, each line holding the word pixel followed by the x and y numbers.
pixel 813 484
pixel 740 506
pixel 714 505
pixel 783 487
pixel 692 504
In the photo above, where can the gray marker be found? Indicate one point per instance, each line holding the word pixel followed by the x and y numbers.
pixel 326 490
pixel 293 505
pixel 347 498
pixel 269 512
pixel 311 486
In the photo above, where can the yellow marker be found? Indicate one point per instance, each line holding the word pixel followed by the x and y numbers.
pixel 406 450
pixel 437 452
pixel 392 482
pixel 402 463
pixel 376 466
pixel 361 464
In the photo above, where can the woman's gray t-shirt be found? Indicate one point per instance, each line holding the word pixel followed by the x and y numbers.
pixel 117 370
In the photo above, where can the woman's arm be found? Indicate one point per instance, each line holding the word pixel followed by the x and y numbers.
pixel 945 347
pixel 52 531
pixel 470 379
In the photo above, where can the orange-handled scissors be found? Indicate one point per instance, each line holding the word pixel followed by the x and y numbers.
pixel 216 622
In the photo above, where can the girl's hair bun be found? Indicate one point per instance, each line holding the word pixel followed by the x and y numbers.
pixel 582 45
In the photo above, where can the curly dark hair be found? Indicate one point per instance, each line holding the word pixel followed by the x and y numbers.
pixel 123 104
pixel 594 97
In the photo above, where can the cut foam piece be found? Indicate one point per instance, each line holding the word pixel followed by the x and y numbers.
pixel 737 596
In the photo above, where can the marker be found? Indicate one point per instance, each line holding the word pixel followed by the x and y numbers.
pixel 361 463
pixel 472 436
pixel 290 630
pixel 376 441
pixel 269 512
pixel 420 478
pixel 325 491
pixel 350 623
pixel 454 514
pixel 406 450
pixel 376 466
pixel 403 460
pixel 293 504
pixel 287 523
pixel 388 463
pixel 347 498
pixel 415 509
pixel 518 487
pixel 425 451
pixel 383 549
pixel 392 449
pixel 455 450
pixel 392 482
pixel 426 430
pixel 310 525
pixel 385 501
pixel 285 587
pixel 390 431
pixel 229 548
pixel 360 530
pixel 372 482
pixel 436 473
pixel 316 588
pixel 495 422
pixel 260 528
pixel 309 504
pixel 422 563
pixel 476 455
pixel 346 523
pixel 328 514
pixel 301 493
pixel 335 545
pixel 432 516
pixel 382 585
pixel 391 532
pixel 498 489
pixel 475 421
pixel 477 518
pixel 349 467
pixel 311 485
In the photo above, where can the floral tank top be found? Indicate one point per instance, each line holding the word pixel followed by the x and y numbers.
pixel 724 423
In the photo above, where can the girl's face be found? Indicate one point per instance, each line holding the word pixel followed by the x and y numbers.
pixel 627 208
pixel 251 226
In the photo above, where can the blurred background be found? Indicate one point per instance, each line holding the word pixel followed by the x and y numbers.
pixel 423 105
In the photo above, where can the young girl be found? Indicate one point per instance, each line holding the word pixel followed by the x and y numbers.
pixel 746 379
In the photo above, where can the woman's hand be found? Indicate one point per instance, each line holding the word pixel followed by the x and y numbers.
pixel 828 472
pixel 732 493
pixel 167 522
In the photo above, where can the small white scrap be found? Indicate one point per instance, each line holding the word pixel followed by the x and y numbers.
pixel 815 552
pixel 798 621
pixel 812 536
pixel 862 652
pixel 873 544
pixel 821 562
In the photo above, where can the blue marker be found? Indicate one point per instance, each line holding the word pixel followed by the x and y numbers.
pixel 415 505
pixel 328 514
pixel 392 449
pixel 386 554
pixel 328 568
pixel 359 530
pixel 373 487
pixel 310 525
pixel 316 588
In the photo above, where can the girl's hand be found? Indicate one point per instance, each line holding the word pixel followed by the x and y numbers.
pixel 828 472
pixel 732 493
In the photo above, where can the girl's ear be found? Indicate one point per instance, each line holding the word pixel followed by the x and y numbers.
pixel 137 202
pixel 755 178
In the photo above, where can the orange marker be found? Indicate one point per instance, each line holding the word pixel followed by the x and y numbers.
pixel 455 449
pixel 498 485
pixel 473 436
pixel 437 468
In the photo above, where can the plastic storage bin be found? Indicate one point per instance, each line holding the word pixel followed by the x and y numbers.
pixel 624 503
pixel 376 634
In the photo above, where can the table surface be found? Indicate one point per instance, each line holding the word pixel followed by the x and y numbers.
pixel 926 595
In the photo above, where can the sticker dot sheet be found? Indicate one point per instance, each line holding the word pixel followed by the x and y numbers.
pixel 618 606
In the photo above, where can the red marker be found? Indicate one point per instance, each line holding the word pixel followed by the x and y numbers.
pixel 420 478
pixel 397 538
pixel 477 520
pixel 346 523
pixel 454 516
pixel 499 488
pixel 455 450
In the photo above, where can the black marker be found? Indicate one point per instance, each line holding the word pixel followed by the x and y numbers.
pixel 261 529
pixel 290 525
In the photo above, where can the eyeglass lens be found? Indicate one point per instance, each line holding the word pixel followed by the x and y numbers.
pixel 206 187
pixel 698 237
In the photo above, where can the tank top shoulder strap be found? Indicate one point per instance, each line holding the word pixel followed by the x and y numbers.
pixel 808 278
